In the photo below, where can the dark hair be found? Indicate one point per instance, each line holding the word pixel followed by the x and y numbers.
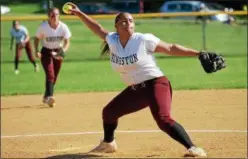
pixel 14 22
pixel 51 9
pixel 105 46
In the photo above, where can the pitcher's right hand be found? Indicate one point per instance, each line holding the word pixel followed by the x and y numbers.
pixel 75 10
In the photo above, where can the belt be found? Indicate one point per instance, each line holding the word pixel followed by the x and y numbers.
pixel 142 84
pixel 138 86
pixel 47 49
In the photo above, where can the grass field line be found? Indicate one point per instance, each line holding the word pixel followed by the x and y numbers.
pixel 120 131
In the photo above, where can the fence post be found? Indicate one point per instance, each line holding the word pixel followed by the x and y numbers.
pixel 204 23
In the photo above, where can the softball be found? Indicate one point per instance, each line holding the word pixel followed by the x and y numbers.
pixel 66 8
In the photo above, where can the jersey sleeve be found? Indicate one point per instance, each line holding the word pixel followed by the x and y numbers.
pixel 39 32
pixel 25 30
pixel 67 32
pixel 151 42
pixel 109 37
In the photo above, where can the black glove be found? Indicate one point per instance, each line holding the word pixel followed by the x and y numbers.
pixel 58 54
pixel 211 62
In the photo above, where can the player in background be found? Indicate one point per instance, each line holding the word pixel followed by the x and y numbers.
pixel 55 37
pixel 132 56
pixel 19 33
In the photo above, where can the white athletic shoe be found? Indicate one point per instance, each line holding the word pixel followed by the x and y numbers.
pixel 105 147
pixel 195 152
pixel 50 101
pixel 17 72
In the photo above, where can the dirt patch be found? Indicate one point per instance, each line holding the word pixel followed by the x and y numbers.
pixel 215 119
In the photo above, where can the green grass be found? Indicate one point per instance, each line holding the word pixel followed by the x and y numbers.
pixel 17 9
pixel 83 71
pixel 184 73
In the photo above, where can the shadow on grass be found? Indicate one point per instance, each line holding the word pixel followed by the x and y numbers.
pixel 74 156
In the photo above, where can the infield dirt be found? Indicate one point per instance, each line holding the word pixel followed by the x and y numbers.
pixel 197 110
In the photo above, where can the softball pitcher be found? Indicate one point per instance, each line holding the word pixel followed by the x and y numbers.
pixel 19 33
pixel 131 55
pixel 55 37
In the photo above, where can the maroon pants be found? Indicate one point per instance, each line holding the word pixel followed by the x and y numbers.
pixel 50 65
pixel 28 49
pixel 155 93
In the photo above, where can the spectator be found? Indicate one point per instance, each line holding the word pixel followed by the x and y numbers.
pixel 203 8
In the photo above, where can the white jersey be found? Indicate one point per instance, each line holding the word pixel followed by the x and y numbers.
pixel 19 35
pixel 53 38
pixel 136 62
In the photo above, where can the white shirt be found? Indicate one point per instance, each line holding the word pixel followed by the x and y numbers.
pixel 19 35
pixel 53 38
pixel 135 63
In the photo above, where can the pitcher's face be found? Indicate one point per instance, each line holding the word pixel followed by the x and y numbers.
pixel 125 24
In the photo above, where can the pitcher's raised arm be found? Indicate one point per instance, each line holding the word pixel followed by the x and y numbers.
pixel 92 24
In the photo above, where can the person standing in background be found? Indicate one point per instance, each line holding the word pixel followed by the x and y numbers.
pixel 55 37
pixel 203 8
pixel 19 33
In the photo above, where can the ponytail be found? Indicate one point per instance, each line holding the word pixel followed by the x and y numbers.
pixel 105 49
